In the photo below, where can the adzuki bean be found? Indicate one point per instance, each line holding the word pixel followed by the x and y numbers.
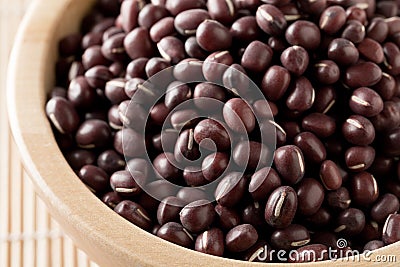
pixel 198 160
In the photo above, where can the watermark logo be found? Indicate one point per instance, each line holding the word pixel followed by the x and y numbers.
pixel 341 243
pixel 319 252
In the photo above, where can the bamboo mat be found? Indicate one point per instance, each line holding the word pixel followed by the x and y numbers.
pixel 28 234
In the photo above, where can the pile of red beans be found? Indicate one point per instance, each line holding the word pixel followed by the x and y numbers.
pixel 328 72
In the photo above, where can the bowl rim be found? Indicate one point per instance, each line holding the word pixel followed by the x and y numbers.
pixel 59 187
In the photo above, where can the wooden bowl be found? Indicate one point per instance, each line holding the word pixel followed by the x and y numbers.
pixel 107 238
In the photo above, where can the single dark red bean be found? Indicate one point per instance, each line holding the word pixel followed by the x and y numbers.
pixel 150 14
pixel 320 124
pixel 129 14
pixel 251 155
pixel 295 59
pixel 136 69
pixel 303 33
pixel 386 87
pixel 98 76
pixel 231 189
pixel 301 97
pixel 186 148
pixel 187 22
pixel 312 148
pixel 257 57
pixel 391 229
pixel 78 158
pixel 327 71
pixel 270 19
pixel 263 182
pixel 165 167
pixel 93 56
pixel 214 165
pixel 222 10
pixel 275 82
pixel 115 90
pixel 127 183
pixel 213 36
pixel 281 207
pixel 366 102
pixel 177 6
pixel 95 178
pixel 359 158
pixel 358 130
pixel 291 237
pixel 330 175
pixel 93 133
pixel 113 47
pixel 310 195
pixel 176 233
pixel 354 31
pixel 238 115
pixel 245 29
pixel 393 24
pixel 193 176
pixel 241 238
pixel 213 130
pixel 193 49
pixel 171 49
pixel 371 50
pixel 342 51
pixel 332 19
pixel 289 162
pixel 138 43
pixel 350 222
pixel 216 65
pixel 339 199
pixel 162 28
pixel 392 58
pixel 111 199
pixel 62 115
pixel 378 29
pixel 134 213
pixel 197 216
pixel 211 242
pixel 364 189
pixel 325 99
pixel 184 118
pixel 355 75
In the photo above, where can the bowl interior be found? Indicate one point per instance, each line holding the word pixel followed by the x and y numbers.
pixel 105 236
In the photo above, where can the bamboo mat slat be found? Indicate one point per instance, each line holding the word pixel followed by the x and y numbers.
pixel 28 234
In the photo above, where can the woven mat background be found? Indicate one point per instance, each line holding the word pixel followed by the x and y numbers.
pixel 28 234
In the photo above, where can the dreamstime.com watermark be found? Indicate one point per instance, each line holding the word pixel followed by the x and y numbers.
pixel 334 254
